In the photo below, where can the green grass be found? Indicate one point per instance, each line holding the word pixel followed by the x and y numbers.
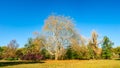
pixel 69 64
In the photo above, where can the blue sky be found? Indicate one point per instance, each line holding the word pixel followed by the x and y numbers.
pixel 20 18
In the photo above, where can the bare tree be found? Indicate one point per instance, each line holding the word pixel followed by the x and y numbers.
pixel 58 31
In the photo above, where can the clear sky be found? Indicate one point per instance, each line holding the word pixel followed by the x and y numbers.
pixel 20 18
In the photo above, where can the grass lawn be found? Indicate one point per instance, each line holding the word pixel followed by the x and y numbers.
pixel 69 64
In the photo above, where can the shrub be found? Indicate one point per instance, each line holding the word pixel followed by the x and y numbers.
pixel 33 57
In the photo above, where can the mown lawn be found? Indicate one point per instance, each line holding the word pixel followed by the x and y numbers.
pixel 69 64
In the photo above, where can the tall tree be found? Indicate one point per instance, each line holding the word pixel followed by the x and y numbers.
pixel 58 31
pixel 106 48
pixel 93 45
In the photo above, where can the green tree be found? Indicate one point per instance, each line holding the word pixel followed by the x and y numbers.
pixel 1 52
pixel 70 54
pixel 46 54
pixel 106 48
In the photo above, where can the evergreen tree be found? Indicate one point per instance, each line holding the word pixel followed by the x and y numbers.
pixel 106 48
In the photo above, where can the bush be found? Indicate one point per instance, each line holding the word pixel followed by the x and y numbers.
pixel 33 57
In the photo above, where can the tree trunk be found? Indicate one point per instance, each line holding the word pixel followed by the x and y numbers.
pixel 56 56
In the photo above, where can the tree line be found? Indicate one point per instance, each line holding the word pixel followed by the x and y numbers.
pixel 60 40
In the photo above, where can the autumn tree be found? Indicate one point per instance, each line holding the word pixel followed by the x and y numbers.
pixel 117 51
pixel 106 48
pixel 93 45
pixel 58 31
pixel 78 47
pixel 10 50
pixel 34 45
pixel 32 50
pixel 77 52
pixel 20 52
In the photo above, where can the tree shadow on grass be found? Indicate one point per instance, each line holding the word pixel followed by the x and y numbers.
pixel 3 64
